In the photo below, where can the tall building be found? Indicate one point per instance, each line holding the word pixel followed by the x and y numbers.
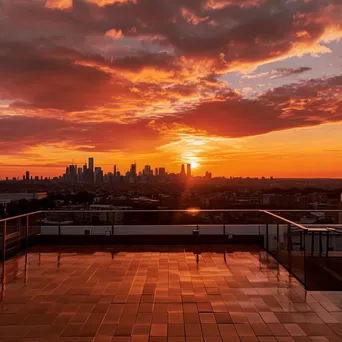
pixel 156 171
pixel 79 174
pixel 162 171
pixel 114 170
pixel 188 170
pixel 133 170
pixel 147 170
pixel 98 175
pixel 27 175
pixel 183 170
pixel 91 164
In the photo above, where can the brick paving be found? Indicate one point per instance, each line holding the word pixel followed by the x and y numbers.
pixel 160 293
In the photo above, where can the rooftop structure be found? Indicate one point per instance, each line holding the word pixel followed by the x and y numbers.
pixel 134 275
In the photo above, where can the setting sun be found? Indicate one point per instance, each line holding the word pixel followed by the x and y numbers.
pixel 194 164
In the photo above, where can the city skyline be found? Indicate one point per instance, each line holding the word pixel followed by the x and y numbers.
pixel 90 172
pixel 237 87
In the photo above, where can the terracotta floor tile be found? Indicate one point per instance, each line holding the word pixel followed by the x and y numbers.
pixel 210 330
pixel 158 330
pixel 244 329
pixel 160 294
pixel 176 339
pixel 207 318
pixel 227 331
pixel 72 330
pixel 223 317
pixel 278 330
pixel 294 330
pixel 176 329
pixel 261 329
pixel 192 330
pixel 141 329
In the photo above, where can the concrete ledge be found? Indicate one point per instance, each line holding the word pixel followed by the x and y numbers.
pixel 148 239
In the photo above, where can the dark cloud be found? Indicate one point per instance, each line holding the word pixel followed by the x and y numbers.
pixel 286 72
pixel 19 133
pixel 302 104
pixel 47 82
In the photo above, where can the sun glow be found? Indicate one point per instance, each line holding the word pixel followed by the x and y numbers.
pixel 194 164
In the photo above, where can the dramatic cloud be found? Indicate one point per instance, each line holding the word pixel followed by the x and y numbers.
pixel 104 75
pixel 17 135
pixel 303 104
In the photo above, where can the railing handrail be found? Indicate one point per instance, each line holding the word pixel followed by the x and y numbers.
pixel 20 216
pixel 194 211
pixel 298 225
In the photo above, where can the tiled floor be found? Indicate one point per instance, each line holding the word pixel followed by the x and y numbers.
pixel 161 294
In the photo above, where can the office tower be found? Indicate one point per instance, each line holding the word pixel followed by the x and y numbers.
pixel 182 170
pixel 147 170
pixel 133 170
pixel 156 172
pixel 91 164
pixel 114 170
pixel 98 175
pixel 79 174
pixel 27 175
pixel 188 169
pixel 72 170
pixel 162 171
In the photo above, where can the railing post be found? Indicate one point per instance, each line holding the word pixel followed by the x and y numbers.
pixel 312 243
pixel 4 244
pixel 305 233
pixel 277 238
pixel 113 223
pixel 27 230
pixel 320 244
pixel 267 245
pixel 289 243
pixel 19 229
pixel 327 253
pixel 26 268
pixel 224 229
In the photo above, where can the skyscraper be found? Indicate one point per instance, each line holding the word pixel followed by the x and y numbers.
pixel 114 170
pixel 147 170
pixel 188 170
pixel 162 171
pixel 79 174
pixel 27 173
pixel 91 164
pixel 133 170
pixel 183 170
pixel 98 175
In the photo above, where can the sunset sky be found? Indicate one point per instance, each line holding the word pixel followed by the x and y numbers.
pixel 239 87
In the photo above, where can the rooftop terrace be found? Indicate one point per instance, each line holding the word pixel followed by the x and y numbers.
pixel 161 293
pixel 67 276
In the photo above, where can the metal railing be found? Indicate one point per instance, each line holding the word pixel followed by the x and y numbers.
pixel 312 254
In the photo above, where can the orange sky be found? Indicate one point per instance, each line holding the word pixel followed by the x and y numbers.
pixel 248 87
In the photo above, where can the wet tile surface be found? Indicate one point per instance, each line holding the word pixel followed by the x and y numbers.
pixel 161 293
